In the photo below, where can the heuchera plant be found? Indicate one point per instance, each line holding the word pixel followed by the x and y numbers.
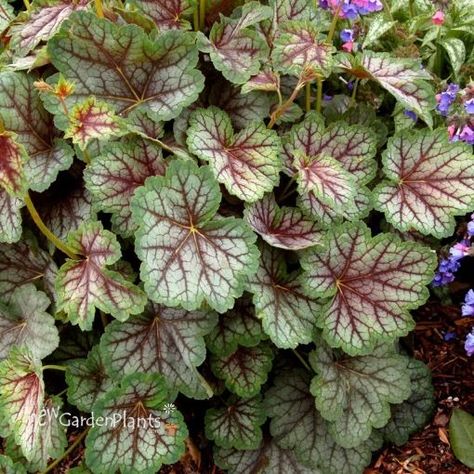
pixel 244 214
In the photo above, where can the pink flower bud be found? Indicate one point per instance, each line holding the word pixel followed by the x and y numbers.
pixel 347 46
pixel 438 18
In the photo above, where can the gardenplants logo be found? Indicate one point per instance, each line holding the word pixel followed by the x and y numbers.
pixel 117 419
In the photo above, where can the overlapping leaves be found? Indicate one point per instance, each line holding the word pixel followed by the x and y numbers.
pixel 188 253
pixel 162 340
pixel 124 68
pixel 371 282
pixel 429 182
pixel 247 163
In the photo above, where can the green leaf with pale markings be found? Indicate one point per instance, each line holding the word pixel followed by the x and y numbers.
pixel 429 181
pixel 22 112
pixel 236 424
pixel 414 413
pixel 299 49
pixel 245 370
pixel 189 254
pixel 87 380
pixel 247 163
pixel 296 425
pixel 237 327
pixel 168 341
pixel 85 284
pixel 372 283
pixel 269 458
pixel 140 436
pixel 114 175
pixel 10 217
pixel 93 120
pixel 25 322
pixel 122 66
pixel 288 313
pixel 354 393
pixel 21 399
pixel 236 49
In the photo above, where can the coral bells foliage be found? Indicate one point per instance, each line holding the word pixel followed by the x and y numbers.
pixel 184 217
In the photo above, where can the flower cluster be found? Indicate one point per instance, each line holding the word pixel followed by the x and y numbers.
pixel 347 38
pixel 350 9
pixel 446 274
pixel 459 105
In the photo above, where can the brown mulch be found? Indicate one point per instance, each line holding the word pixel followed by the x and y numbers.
pixel 429 452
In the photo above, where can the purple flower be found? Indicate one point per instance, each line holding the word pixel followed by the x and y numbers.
pixel 327 97
pixel 469 106
pixel 349 11
pixel 446 270
pixel 350 85
pixel 460 250
pixel 346 35
pixel 469 344
pixel 467 135
pixel 449 336
pixel 446 98
pixel 411 114
pixel 470 229
pixel 468 306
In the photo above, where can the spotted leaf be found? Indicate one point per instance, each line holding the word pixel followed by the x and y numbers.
pixel 124 68
pixel 245 370
pixel 162 340
pixel 288 313
pixel 190 255
pixel 139 436
pixel 429 181
pixel 247 163
pixel 354 393
pixel 284 227
pixel 371 283
pixel 85 284
pixel 21 399
pixel 25 322
pixel 22 112
pixel 113 177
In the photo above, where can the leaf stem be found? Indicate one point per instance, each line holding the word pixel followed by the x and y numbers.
pixel 86 156
pixel 196 17
pixel 27 4
pixel 204 383
pixel 99 8
pixel 202 14
pixel 319 94
pixel 68 451
pixel 332 28
pixel 303 362
pixel 285 193
pixel 54 367
pixel 354 92
pixel 387 10
pixel 308 97
pixel 283 107
pixel 46 232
